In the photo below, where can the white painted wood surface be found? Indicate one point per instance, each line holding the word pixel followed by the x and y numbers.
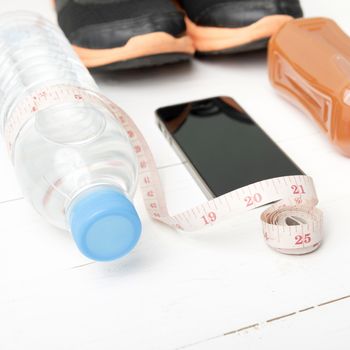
pixel 219 290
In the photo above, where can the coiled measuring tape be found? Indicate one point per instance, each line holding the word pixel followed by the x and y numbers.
pixel 293 225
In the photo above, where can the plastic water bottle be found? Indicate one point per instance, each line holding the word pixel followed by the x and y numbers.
pixel 73 160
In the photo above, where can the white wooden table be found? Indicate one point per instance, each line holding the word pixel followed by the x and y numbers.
pixel 224 290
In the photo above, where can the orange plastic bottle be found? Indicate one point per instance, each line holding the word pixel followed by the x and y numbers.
pixel 309 62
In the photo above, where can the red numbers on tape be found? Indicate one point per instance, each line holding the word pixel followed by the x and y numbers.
pixel 252 200
pixel 137 149
pixel 147 180
pixel 303 239
pixel 209 218
pixel 143 164
pixel 131 133
pixel 298 189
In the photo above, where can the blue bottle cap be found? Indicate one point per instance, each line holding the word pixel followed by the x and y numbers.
pixel 104 224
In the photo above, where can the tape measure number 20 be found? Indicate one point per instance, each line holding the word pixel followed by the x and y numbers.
pixel 292 225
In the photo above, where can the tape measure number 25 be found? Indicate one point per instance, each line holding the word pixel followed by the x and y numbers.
pixel 293 225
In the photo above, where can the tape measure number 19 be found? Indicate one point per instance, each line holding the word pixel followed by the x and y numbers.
pixel 292 225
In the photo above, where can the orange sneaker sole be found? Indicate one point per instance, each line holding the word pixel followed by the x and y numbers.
pixel 140 46
pixel 214 39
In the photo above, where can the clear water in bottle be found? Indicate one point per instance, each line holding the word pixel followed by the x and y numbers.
pixel 73 160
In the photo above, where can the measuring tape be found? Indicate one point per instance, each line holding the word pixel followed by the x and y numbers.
pixel 290 226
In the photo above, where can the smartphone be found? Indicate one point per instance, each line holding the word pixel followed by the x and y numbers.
pixel 223 147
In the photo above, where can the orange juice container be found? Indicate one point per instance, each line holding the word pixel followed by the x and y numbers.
pixel 309 63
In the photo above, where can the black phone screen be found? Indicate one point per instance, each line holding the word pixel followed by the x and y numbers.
pixel 225 146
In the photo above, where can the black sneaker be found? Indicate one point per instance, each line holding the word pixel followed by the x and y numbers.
pixel 230 26
pixel 122 34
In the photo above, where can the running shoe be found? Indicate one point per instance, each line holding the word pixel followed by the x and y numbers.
pixel 231 26
pixel 122 34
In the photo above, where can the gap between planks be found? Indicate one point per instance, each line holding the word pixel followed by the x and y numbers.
pixel 269 321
